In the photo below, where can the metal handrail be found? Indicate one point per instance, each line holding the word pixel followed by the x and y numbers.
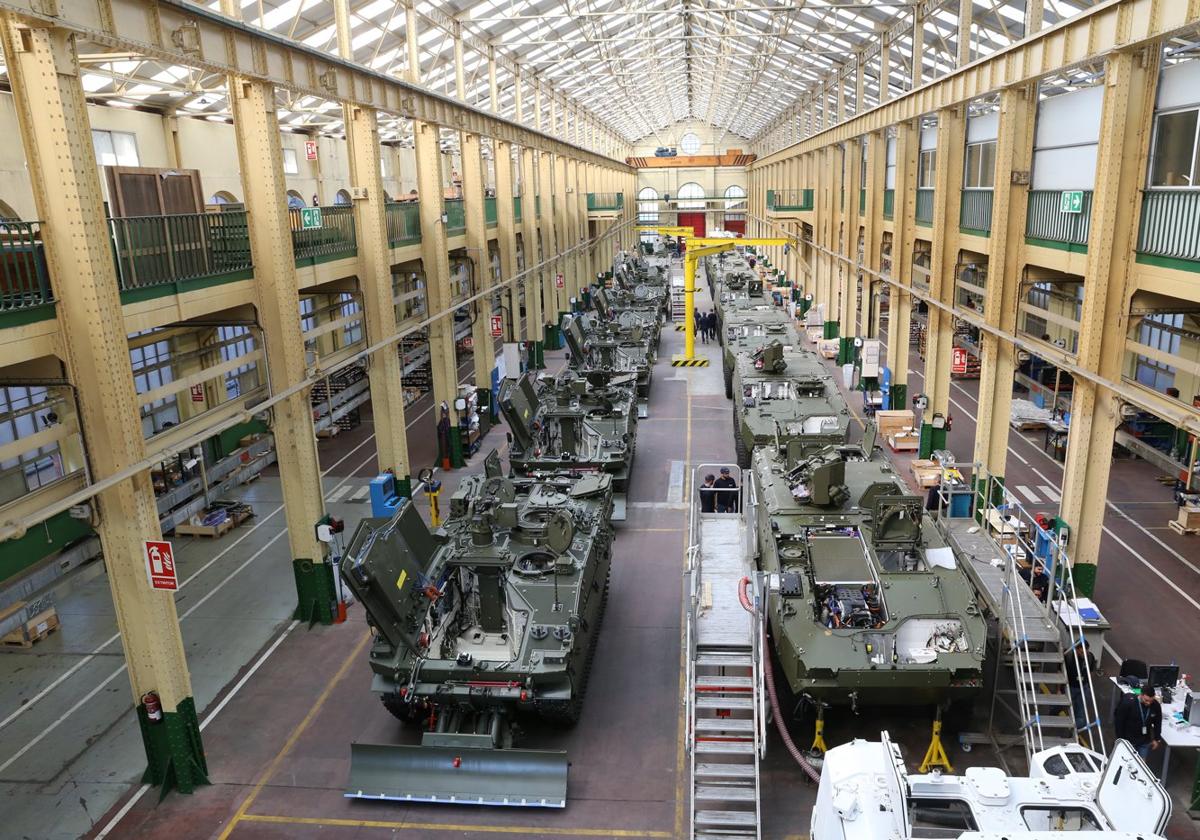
pixel 24 280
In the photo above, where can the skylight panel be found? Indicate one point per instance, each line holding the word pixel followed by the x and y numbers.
pixel 93 82
pixel 281 14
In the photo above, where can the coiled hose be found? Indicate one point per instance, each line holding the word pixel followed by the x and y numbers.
pixel 772 695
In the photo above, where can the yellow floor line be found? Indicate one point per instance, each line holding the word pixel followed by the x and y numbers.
pixel 528 831
pixel 295 736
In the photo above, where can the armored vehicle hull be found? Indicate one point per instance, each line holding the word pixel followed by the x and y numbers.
pixel 867 605
pixel 751 330
pixel 784 396
pixel 495 614
pixel 611 346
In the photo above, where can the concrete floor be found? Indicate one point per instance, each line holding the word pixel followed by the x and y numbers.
pixel 280 704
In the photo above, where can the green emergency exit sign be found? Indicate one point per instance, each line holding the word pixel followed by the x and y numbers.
pixel 310 218
pixel 1071 202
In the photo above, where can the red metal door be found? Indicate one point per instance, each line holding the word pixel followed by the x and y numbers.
pixel 693 220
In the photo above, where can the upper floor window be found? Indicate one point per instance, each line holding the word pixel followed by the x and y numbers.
pixel 291 163
pixel 1175 159
pixel 980 171
pixel 691 190
pixel 115 148
pixel 689 144
pixel 926 166
pixel 648 205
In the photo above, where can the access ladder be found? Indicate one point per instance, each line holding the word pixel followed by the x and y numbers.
pixel 725 711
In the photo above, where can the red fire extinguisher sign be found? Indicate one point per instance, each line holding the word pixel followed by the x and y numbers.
pixel 559 283
pixel 958 360
pixel 497 327
pixel 160 565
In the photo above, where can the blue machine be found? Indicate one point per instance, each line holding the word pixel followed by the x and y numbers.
pixel 384 499
pixel 885 387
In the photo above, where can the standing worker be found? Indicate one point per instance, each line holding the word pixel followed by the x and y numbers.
pixel 727 497
pixel 708 494
pixel 1077 681
pixel 698 322
pixel 1138 719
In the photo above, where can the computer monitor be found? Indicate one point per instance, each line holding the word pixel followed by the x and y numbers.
pixel 1162 676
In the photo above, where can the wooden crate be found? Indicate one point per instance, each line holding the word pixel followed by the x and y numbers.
pixel 927 473
pixel 1188 521
pixel 34 630
pixel 828 347
pixel 212 531
pixel 901 442
pixel 894 422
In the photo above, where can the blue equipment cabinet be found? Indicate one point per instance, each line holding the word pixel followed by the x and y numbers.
pixel 384 499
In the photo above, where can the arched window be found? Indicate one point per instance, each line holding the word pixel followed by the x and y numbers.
pixel 691 190
pixel 7 214
pixel 342 199
pixel 223 197
pixel 295 202
pixel 735 198
pixel 648 206
pixel 689 143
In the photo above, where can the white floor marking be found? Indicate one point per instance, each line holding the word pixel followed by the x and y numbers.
pixel 1027 493
pixel 360 494
pixel 1051 494
pixel 336 495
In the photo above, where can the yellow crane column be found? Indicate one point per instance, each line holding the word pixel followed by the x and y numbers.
pixel 44 74
pixel 506 239
pixel 903 244
pixel 1130 81
pixel 943 260
pixel 375 274
pixel 435 262
pixel 261 161
pixel 534 283
pixel 1006 259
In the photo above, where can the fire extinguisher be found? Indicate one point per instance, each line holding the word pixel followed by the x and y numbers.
pixel 153 707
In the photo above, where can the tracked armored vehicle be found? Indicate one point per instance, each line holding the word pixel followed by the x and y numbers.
pixel 495 614
pixel 608 345
pixel 552 432
pixel 785 395
pixel 867 604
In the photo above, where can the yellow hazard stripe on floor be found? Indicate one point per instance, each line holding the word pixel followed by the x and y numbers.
pixel 680 327
pixel 689 363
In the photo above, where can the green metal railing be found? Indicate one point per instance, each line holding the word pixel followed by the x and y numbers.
pixel 24 280
pixel 1170 224
pixel 516 208
pixel 605 201
pixel 456 216
pixel 403 223
pixel 976 212
pixel 489 211
pixel 537 206
pixel 889 203
pixel 1047 224
pixel 924 212
pixel 335 237
pixel 157 250
pixel 862 202
pixel 790 199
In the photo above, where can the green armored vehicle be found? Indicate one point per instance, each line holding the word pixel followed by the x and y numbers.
pixel 629 314
pixel 552 431
pixel 750 330
pixel 785 395
pixel 593 344
pixel 493 615
pixel 867 603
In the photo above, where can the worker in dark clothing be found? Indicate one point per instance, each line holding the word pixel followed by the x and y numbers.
pixel 1038 580
pixel 1077 680
pixel 702 326
pixel 710 321
pixel 708 494
pixel 1138 719
pixel 727 501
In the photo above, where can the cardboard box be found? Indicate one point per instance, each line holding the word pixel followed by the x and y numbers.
pixel 828 347
pixel 927 473
pixel 895 422
pixel 34 629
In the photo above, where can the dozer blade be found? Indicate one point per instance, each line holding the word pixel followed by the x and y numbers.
pixel 458 775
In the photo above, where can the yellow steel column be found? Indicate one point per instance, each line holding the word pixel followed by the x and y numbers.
pixel 559 201
pixel 550 294
pixel 1129 87
pixel 574 225
pixel 44 74
pixel 1014 152
pixel 849 246
pixel 903 243
pixel 535 318
pixel 261 160
pixel 436 264
pixel 506 238
pixel 375 272
pixel 483 347
pixel 943 259
pixel 873 228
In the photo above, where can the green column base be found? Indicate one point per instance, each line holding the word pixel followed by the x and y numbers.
pixel 537 359
pixel 174 754
pixel 486 412
pixel 898 396
pixel 404 487
pixel 456 448
pixel 831 329
pixel 845 350
pixel 931 439
pixel 314 588
pixel 1085 578
pixel 981 500
pixel 805 304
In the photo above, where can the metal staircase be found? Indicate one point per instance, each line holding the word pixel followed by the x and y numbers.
pixel 724 693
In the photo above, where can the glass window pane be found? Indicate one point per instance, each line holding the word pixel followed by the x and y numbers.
pixel 291 165
pixel 971 171
pixel 102 144
pixel 987 165
pixel 1174 150
pixel 125 148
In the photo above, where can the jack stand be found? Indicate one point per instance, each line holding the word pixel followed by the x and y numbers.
pixel 936 756
pixel 818 743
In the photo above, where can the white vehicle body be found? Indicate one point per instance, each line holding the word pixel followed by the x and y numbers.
pixel 866 793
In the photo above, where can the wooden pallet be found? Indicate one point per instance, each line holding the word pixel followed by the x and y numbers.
pixel 211 531
pixel 33 630
pixel 1180 529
